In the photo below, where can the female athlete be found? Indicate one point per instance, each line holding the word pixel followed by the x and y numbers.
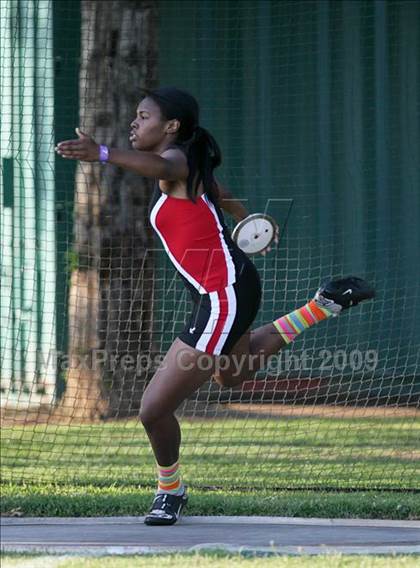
pixel 170 146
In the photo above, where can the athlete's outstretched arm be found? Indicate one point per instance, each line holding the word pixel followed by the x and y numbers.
pixel 171 167
pixel 230 204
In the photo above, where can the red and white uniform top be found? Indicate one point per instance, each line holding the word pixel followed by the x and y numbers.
pixel 197 241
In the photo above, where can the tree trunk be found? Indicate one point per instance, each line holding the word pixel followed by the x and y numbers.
pixel 111 296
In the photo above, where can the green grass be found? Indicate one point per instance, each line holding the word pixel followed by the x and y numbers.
pixel 75 501
pixel 212 559
pixel 242 466
pixel 250 454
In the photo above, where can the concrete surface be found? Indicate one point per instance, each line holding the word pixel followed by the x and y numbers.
pixel 264 535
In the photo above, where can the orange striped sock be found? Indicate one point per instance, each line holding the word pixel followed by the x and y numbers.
pixel 169 479
pixel 291 325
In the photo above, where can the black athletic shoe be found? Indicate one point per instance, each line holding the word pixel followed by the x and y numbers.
pixel 166 509
pixel 338 295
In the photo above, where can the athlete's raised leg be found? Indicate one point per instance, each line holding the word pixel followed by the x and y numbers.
pixel 250 353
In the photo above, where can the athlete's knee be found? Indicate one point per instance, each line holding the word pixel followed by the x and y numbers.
pixel 226 380
pixel 219 379
pixel 150 414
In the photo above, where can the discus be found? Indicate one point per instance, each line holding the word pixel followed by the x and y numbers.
pixel 255 233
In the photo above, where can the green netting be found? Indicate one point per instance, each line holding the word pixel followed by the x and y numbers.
pixel 314 103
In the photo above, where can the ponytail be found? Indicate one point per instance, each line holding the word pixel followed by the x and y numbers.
pixel 203 155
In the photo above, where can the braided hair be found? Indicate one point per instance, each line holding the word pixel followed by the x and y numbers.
pixel 202 151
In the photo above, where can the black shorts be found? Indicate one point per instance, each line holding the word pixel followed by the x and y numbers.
pixel 220 318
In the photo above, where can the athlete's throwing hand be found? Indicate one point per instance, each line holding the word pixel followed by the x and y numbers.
pixel 84 148
pixel 276 241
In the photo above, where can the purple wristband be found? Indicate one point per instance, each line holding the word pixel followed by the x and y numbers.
pixel 103 153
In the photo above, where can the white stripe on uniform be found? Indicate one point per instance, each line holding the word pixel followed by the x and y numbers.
pixel 211 322
pixel 232 304
pixel 229 262
pixel 186 274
